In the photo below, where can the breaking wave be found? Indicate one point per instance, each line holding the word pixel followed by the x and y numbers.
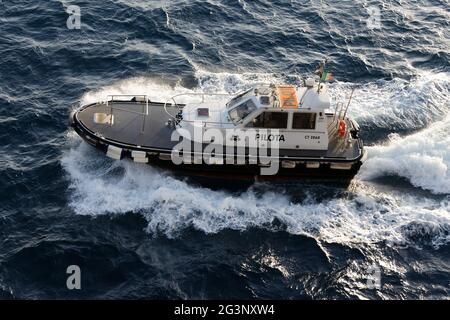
pixel 423 158
pixel 365 213
pixel 398 103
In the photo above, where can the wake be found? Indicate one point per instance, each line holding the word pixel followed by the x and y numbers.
pixel 365 213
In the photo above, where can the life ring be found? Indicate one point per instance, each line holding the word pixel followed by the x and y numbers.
pixel 342 128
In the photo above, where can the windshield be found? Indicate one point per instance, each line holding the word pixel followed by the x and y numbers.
pixel 238 98
pixel 241 111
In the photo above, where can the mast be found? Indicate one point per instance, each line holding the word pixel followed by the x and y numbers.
pixel 320 71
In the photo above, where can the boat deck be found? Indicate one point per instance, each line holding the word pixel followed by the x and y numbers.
pixel 134 127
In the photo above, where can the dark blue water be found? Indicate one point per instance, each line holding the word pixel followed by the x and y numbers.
pixel 137 232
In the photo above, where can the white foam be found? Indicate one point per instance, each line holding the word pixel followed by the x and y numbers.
pixel 398 103
pixel 154 89
pixel 162 92
pixel 423 158
pixel 145 5
pixel 362 215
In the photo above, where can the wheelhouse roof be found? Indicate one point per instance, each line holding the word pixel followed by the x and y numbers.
pixel 284 97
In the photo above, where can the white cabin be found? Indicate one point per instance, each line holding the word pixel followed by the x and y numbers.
pixel 298 113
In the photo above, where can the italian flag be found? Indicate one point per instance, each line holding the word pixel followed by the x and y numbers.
pixel 327 76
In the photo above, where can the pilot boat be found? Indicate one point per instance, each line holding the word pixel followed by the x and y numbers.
pixel 269 132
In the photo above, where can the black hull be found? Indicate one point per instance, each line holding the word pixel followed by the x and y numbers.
pixel 252 172
pixel 228 174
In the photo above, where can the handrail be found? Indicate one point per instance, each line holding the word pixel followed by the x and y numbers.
pixel 337 112
pixel 341 108
pixel 202 94
pixel 108 102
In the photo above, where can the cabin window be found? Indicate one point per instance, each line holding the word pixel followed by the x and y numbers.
pixel 242 111
pixel 304 121
pixel 270 120
pixel 238 98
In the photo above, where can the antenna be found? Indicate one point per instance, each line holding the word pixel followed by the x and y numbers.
pixel 320 70
pixel 348 104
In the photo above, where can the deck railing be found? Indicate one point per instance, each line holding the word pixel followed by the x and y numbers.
pixel 340 111
pixel 194 94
